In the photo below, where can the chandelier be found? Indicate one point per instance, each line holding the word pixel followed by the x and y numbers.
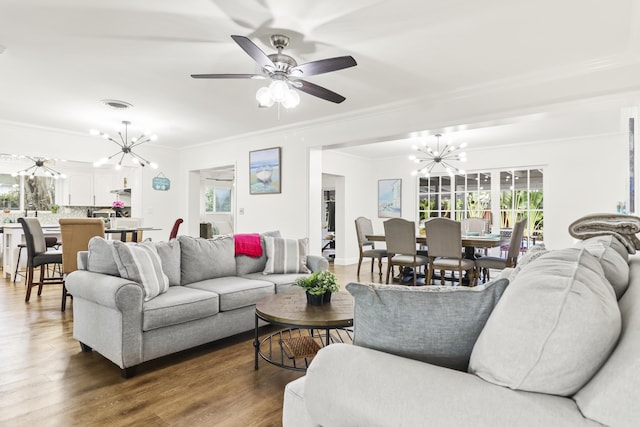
pixel 442 156
pixel 39 167
pixel 126 147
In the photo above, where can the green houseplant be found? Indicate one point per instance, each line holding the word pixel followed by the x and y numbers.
pixel 319 286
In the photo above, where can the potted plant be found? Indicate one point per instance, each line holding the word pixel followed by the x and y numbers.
pixel 54 208
pixel 318 286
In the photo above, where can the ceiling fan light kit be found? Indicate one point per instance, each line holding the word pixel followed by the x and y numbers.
pixel 442 156
pixel 285 74
pixel 126 147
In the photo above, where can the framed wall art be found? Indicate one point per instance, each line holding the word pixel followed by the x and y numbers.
pixel 389 198
pixel 264 171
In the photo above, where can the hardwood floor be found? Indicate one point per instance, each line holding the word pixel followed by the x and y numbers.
pixel 45 379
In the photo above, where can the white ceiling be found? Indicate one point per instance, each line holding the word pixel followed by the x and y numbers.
pixel 62 58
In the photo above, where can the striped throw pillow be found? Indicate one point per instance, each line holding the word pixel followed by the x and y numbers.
pixel 141 263
pixel 285 256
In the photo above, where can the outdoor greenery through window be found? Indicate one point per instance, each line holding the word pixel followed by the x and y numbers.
pixel 501 197
pixel 38 192
pixel 217 200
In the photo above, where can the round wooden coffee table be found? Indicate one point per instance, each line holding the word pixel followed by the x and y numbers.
pixel 308 327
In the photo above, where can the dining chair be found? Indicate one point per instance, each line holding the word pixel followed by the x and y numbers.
pixel 76 233
pixel 485 263
pixel 444 240
pixel 38 256
pixel 400 237
pixel 475 225
pixel 174 230
pixel 367 248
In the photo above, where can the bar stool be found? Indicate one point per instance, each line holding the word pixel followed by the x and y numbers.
pixel 51 242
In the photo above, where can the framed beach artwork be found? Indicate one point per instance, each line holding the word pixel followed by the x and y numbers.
pixel 264 171
pixel 389 198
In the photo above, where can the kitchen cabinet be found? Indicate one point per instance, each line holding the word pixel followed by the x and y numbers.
pixel 77 190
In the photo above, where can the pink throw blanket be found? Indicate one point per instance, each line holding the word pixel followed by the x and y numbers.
pixel 248 244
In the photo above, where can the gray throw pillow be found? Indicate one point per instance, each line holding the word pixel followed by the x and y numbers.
pixel 554 327
pixel 286 256
pixel 247 265
pixel 202 259
pixel 434 324
pixel 100 258
pixel 141 263
pixel 170 256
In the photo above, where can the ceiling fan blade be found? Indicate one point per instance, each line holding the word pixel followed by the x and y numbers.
pixel 325 65
pixel 254 51
pixel 228 76
pixel 319 91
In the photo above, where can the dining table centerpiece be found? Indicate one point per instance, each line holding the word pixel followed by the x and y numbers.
pixel 319 286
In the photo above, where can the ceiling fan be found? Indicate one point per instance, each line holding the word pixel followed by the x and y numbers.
pixel 282 68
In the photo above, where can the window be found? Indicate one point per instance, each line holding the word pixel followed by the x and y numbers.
pixel 9 192
pixel 520 194
pixel 39 192
pixel 217 200
pixel 471 193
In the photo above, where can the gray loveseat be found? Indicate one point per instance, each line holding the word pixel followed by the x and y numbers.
pixel 211 294
pixel 561 347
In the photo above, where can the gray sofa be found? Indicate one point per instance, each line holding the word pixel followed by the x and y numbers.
pixel 560 347
pixel 211 294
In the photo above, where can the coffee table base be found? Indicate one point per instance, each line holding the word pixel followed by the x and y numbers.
pixel 294 348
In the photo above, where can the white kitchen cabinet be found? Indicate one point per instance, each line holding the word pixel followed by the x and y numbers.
pixel 105 182
pixel 77 190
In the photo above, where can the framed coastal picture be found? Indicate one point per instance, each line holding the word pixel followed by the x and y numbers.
pixel 389 198
pixel 264 171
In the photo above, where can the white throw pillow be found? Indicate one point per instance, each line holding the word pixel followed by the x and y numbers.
pixel 553 328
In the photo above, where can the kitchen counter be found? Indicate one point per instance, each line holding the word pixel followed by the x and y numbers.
pixel 12 235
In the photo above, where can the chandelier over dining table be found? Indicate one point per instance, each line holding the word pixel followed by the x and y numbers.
pixel 126 146
pixel 442 154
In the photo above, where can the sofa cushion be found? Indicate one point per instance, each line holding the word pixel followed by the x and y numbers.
pixel 202 259
pixel 610 397
pixel 141 263
pixel 100 258
pixel 553 328
pixel 610 241
pixel 283 282
pixel 286 255
pixel 434 324
pixel 247 265
pixel 615 267
pixel 170 256
pixel 178 305
pixel 236 292
pixel 533 253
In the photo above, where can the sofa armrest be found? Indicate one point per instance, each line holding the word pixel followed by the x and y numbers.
pixel 356 386
pixel 108 291
pixel 317 263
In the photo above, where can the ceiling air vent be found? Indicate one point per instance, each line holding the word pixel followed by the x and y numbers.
pixel 115 104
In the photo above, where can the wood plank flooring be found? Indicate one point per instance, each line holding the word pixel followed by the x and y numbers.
pixel 45 380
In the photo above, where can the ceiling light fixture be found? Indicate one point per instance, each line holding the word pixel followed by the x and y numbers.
pixel 278 91
pixel 440 156
pixel 39 168
pixel 126 147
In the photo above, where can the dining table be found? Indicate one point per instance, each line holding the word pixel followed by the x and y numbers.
pixel 123 231
pixel 470 243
